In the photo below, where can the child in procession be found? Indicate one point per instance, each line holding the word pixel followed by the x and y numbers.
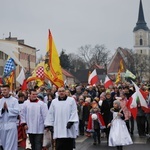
pixel 95 123
pixel 119 135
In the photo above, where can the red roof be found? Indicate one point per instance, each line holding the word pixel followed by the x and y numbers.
pixel 98 66
pixel 120 54
pixel 67 74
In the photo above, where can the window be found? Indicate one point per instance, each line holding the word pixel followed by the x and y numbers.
pixel 5 56
pixel 1 70
pixel 1 55
pixel 141 51
pixel 141 42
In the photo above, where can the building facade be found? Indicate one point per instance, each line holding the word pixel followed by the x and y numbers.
pixel 141 34
pixel 26 55
pixel 142 46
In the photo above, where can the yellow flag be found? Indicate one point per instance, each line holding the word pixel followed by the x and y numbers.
pixel 118 78
pixel 39 82
pixel 52 68
pixel 10 80
pixel 38 73
pixel 121 67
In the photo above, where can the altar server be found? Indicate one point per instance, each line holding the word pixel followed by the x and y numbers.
pixel 33 117
pixel 9 111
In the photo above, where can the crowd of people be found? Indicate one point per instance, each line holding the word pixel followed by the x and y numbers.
pixel 48 116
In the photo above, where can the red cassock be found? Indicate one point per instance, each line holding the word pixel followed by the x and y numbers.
pixel 90 127
pixel 21 136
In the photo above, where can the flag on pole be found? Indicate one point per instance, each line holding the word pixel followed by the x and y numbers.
pixel 121 69
pixel 141 98
pixel 10 80
pixel 9 67
pixel 52 68
pixel 9 72
pixel 121 66
pixel 132 105
pixel 21 77
pixel 107 82
pixel 129 74
pixel 39 82
pixel 93 78
pixel 38 73
pixel 118 78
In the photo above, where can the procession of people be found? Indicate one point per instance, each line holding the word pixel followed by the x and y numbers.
pixel 45 117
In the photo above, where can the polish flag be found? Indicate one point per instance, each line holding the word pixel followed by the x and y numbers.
pixel 93 78
pixel 132 105
pixel 21 77
pixel 142 100
pixel 22 80
pixel 107 82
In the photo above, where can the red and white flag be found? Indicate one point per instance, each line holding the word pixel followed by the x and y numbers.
pixel 107 82
pixel 141 98
pixel 93 78
pixel 22 80
pixel 132 105
pixel 21 77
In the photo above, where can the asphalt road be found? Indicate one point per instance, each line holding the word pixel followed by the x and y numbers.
pixel 85 143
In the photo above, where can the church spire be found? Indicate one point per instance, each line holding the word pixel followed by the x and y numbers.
pixel 141 24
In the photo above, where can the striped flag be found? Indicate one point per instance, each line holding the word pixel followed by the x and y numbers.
pixel 132 105
pixel 108 82
pixel 141 97
pixel 93 78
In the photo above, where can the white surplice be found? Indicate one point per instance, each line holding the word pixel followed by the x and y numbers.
pixel 119 134
pixel 8 123
pixel 34 114
pixel 59 114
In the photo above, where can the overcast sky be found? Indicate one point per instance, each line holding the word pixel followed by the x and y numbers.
pixel 73 23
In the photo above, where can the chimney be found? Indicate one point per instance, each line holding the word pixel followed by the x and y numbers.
pixel 9 35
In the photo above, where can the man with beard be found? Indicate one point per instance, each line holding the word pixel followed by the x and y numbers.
pixel 62 118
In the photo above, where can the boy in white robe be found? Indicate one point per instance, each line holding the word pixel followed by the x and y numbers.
pixel 33 116
pixel 9 111
pixel 62 118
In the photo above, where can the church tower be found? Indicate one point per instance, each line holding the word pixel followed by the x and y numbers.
pixel 141 34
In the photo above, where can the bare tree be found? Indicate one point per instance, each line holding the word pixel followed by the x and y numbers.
pixel 142 66
pixel 76 61
pixel 86 54
pixel 94 55
pixel 100 55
